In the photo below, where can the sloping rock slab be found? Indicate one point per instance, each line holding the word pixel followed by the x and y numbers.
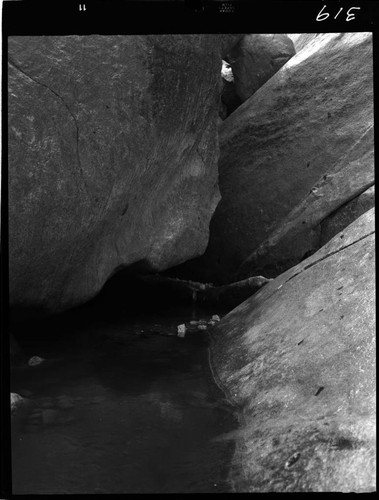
pixel 300 231
pixel 113 154
pixel 345 215
pixel 298 359
pixel 283 139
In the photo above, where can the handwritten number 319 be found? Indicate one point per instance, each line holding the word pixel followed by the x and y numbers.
pixel 322 16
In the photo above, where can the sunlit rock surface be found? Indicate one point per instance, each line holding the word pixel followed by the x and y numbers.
pixel 16 402
pixel 298 359
pixel 113 153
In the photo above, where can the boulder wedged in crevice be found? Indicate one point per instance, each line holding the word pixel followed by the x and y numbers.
pixel 256 58
pixel 250 61
pixel 298 360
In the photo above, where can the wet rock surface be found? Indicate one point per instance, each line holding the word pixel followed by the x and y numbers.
pixel 112 159
pixel 298 359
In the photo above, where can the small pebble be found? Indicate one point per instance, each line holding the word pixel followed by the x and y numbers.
pixel 211 322
pixel 202 327
pixel 35 360
pixel 216 317
pixel 181 330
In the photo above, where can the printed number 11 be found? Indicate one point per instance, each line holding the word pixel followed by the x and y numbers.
pixel 82 7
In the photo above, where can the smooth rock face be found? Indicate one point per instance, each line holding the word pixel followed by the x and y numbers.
pixel 256 58
pixel 113 154
pixel 279 143
pixel 324 212
pixel 298 359
pixel 342 217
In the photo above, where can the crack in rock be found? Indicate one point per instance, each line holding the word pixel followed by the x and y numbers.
pixel 17 67
pixel 327 256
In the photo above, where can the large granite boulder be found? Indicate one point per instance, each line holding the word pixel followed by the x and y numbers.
pixel 113 153
pixel 299 126
pixel 298 360
pixel 255 58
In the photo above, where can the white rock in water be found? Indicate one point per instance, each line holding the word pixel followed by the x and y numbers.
pixel 202 327
pixel 35 360
pixel 216 317
pixel 181 330
pixel 16 401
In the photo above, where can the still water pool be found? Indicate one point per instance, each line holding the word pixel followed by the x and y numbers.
pixel 121 407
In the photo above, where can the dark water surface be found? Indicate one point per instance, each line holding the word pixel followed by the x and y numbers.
pixel 120 407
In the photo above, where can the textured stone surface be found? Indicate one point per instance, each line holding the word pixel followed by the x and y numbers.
pixel 345 215
pixel 282 140
pixel 300 40
pixel 112 158
pixel 300 232
pixel 298 359
pixel 255 58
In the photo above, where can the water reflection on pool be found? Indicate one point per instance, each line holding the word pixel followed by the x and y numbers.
pixel 121 407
